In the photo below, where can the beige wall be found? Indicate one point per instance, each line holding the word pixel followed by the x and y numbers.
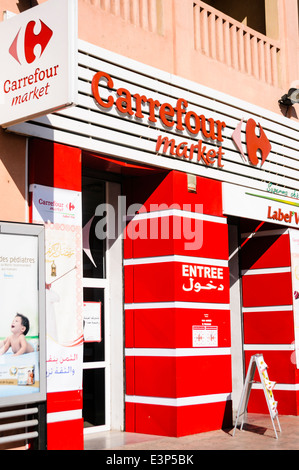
pixel 117 26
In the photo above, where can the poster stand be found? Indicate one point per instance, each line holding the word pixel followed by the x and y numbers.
pixel 257 361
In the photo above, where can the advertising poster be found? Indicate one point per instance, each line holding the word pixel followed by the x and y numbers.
pixel 19 318
pixel 268 385
pixel 60 210
pixel 294 243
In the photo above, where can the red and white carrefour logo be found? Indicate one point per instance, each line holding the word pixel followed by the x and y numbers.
pixel 253 142
pixel 30 42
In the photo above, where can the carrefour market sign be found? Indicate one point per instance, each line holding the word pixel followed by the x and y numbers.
pixel 38 52
pixel 180 118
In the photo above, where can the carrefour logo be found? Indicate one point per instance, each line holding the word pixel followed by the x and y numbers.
pixel 30 42
pixel 256 144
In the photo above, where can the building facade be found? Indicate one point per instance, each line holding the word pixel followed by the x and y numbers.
pixel 177 257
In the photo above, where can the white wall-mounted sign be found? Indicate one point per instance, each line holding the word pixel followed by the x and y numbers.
pixel 92 312
pixel 38 56
pixel 55 205
pixel 260 205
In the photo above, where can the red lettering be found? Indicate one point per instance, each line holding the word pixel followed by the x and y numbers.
pixel 189 115
pixel 182 153
pixel 211 154
pixel 210 134
pixel 167 113
pixel 95 89
pixel 167 142
pixel 166 110
pixel 152 105
pixel 220 154
pixel 139 100
pixel 201 152
pixel 126 101
pixel 280 216
pixel 220 125
pixel 179 111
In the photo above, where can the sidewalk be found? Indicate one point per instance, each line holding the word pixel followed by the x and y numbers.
pixel 257 434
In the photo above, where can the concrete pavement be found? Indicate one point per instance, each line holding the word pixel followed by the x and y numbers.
pixel 257 434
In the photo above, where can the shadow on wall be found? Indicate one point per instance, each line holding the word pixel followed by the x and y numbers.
pixel 13 186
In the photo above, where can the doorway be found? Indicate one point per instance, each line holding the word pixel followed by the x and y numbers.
pixel 260 299
pixel 103 393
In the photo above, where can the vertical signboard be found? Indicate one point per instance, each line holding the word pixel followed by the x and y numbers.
pixel 60 211
pixel 22 317
pixel 39 50
pixel 294 245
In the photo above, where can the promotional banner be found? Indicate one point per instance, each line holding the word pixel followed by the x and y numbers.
pixel 19 319
pixel 294 243
pixel 60 210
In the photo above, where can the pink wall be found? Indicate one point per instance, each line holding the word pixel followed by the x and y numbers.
pixel 212 50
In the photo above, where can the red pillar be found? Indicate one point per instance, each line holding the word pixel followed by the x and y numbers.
pixel 176 384
pixel 59 166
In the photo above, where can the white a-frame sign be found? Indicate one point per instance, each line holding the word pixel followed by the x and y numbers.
pixel 257 361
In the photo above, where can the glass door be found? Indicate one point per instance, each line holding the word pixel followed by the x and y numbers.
pixel 103 398
pixel 96 361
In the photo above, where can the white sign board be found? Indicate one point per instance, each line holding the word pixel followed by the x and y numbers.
pixel 260 205
pixel 38 56
pixel 55 205
pixel 92 321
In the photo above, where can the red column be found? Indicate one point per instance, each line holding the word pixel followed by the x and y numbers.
pixel 178 363
pixel 268 314
pixel 59 166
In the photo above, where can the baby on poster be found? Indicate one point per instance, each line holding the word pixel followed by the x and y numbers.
pixel 17 341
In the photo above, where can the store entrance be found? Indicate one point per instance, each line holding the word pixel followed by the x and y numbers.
pixel 260 295
pixel 102 307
